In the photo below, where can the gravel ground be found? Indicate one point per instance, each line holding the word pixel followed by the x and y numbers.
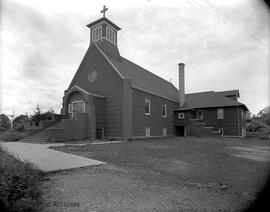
pixel 191 174
pixel 108 188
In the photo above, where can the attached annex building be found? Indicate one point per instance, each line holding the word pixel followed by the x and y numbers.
pixel 112 97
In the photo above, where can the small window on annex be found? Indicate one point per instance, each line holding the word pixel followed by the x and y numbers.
pixel 164 131
pixel 147 131
pixel 220 113
pixel 193 114
pixel 181 115
pixel 200 115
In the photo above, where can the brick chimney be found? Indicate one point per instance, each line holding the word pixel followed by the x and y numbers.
pixel 181 94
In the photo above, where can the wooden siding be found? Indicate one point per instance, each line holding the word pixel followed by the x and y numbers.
pixel 108 83
pixel 229 123
pixel 155 121
pixel 100 110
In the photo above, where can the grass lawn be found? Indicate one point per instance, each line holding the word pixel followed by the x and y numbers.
pixel 166 175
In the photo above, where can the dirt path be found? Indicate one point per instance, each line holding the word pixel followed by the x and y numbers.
pixel 109 188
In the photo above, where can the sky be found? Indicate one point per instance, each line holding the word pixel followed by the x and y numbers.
pixel 224 45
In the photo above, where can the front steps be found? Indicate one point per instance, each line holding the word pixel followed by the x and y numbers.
pixel 43 135
pixel 38 137
pixel 65 129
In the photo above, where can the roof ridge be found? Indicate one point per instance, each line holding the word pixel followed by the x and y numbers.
pixel 226 91
pixel 200 92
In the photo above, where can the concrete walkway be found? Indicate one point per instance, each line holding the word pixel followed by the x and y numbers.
pixel 47 159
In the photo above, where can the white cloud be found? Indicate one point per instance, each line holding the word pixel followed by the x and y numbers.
pixel 43 43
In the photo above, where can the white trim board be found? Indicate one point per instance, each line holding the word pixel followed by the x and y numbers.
pixel 104 38
pixel 102 22
pixel 84 91
pixel 110 62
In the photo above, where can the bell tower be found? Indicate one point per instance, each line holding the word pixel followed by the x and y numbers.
pixel 103 29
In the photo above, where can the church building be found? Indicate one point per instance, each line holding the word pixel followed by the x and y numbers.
pixel 112 97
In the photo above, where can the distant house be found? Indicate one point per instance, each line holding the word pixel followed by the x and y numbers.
pixel 112 97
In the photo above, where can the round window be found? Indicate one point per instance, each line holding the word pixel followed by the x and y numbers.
pixel 92 76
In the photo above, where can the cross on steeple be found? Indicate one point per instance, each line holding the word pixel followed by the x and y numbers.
pixel 104 11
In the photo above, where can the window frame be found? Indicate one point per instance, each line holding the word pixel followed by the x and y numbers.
pixel 198 118
pixel 111 35
pixel 80 101
pixel 164 105
pixel 183 117
pixel 220 116
pixel 164 130
pixel 146 132
pixel 147 100
pixel 96 33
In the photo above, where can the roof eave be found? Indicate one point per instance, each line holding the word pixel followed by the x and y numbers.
pixel 103 19
pixel 193 108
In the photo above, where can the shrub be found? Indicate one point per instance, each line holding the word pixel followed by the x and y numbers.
pixel 4 123
pixel 19 184
pixel 12 136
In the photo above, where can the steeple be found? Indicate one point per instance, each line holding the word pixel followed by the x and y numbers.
pixel 103 29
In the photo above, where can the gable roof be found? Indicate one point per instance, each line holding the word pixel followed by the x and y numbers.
pixel 210 99
pixel 105 20
pixel 230 93
pixel 143 79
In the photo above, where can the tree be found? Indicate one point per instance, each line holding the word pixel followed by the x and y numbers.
pixel 264 115
pixel 36 117
pixel 39 116
pixel 4 122
pixel 19 121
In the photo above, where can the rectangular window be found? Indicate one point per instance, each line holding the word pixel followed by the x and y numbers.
pixel 193 114
pixel 107 32
pixel 147 106
pixel 110 34
pixel 220 113
pixel 200 115
pixel 147 131
pixel 164 131
pixel 78 107
pixel 99 32
pixel 113 37
pixel 96 34
pixel 164 109
pixel 181 115
pixel 196 115
pixel 93 35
